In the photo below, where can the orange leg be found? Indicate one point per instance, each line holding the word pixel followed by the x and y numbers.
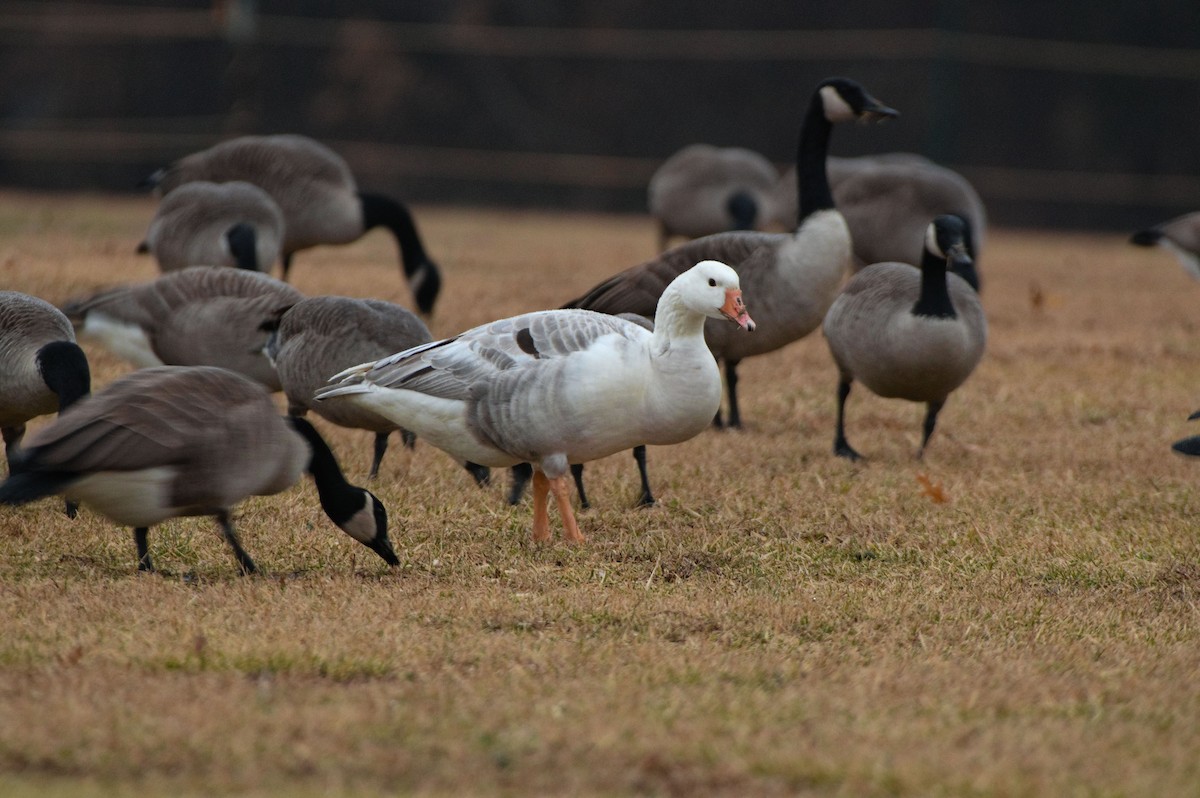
pixel 562 496
pixel 541 515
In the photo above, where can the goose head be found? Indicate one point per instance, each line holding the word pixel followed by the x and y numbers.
pixel 946 239
pixel 845 100
pixel 712 288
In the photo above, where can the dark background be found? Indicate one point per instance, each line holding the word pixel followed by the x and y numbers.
pixel 1065 114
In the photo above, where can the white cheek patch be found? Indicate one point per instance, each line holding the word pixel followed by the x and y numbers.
pixel 931 243
pixel 128 341
pixel 836 108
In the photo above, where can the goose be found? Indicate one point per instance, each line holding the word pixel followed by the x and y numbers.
pixel 180 441
pixel 1180 235
pixel 888 200
pixel 198 316
pixel 42 368
pixel 703 189
pixel 1189 446
pixel 556 387
pixel 318 196
pixel 908 333
pixel 215 224
pixel 320 336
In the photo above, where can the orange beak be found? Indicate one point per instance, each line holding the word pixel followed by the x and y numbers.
pixel 734 309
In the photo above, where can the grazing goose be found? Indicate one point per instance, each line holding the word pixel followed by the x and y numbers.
pixel 318 337
pixel 42 369
pixel 1180 235
pixel 172 441
pixel 319 198
pixel 199 316
pixel 908 333
pixel 704 189
pixel 559 386
pixel 794 276
pixel 888 200
pixel 215 224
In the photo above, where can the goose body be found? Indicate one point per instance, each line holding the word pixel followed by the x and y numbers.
pixel 318 337
pixel 888 200
pixel 216 224
pixel 1180 235
pixel 168 442
pixel 199 316
pixel 318 196
pixel 792 277
pixel 704 189
pixel 558 387
pixel 908 333
pixel 42 369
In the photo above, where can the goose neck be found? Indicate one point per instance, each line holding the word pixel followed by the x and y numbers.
pixel 64 369
pixel 934 301
pixel 675 322
pixel 812 185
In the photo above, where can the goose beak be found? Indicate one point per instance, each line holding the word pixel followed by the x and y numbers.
pixel 734 309
pixel 875 111
pixel 383 547
pixel 1194 416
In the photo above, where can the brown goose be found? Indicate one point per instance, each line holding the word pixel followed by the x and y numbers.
pixel 215 224
pixel 199 316
pixel 318 195
pixel 177 441
pixel 908 333
pixel 704 189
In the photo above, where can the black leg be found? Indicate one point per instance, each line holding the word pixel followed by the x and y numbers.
pixel 639 455
pixel 380 451
pixel 481 474
pixel 842 447
pixel 577 473
pixel 70 508
pixel 731 381
pixel 243 558
pixel 143 549
pixel 287 265
pixel 930 422
pixel 521 474
pixel 409 439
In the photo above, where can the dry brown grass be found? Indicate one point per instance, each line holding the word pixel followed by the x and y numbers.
pixel 784 622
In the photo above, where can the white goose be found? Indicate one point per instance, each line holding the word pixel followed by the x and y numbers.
pixel 557 387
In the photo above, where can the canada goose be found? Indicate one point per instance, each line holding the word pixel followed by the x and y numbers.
pixel 180 441
pixel 1180 235
pixel 215 224
pixel 198 316
pixel 559 386
pixel 794 276
pixel 908 333
pixel 42 369
pixel 888 200
pixel 704 189
pixel 318 337
pixel 319 198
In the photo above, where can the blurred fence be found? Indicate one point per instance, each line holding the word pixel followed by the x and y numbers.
pixel 1091 123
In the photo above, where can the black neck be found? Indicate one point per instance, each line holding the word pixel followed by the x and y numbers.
pixel 934 301
pixel 812 185
pixel 243 245
pixel 64 369
pixel 422 274
pixel 339 499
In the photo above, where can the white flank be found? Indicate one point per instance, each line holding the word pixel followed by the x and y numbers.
pixel 128 341
pixel 130 498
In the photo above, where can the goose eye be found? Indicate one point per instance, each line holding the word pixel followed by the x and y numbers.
pixel 712 282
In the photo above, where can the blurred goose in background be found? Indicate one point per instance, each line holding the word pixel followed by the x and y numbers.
pixel 318 196
pixel 888 200
pixel 318 337
pixel 1189 446
pixel 558 387
pixel 170 442
pixel 908 333
pixel 704 189
pixel 792 277
pixel 215 224
pixel 42 369
pixel 199 316
pixel 1180 235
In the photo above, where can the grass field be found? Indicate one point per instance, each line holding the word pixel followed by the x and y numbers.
pixel 783 622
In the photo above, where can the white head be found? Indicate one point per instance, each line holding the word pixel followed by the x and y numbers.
pixel 712 288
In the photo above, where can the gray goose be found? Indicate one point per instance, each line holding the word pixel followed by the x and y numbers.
pixel 215 224
pixel 318 195
pixel 908 333
pixel 703 189
pixel 176 441
pixel 791 278
pixel 1180 236
pixel 199 316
